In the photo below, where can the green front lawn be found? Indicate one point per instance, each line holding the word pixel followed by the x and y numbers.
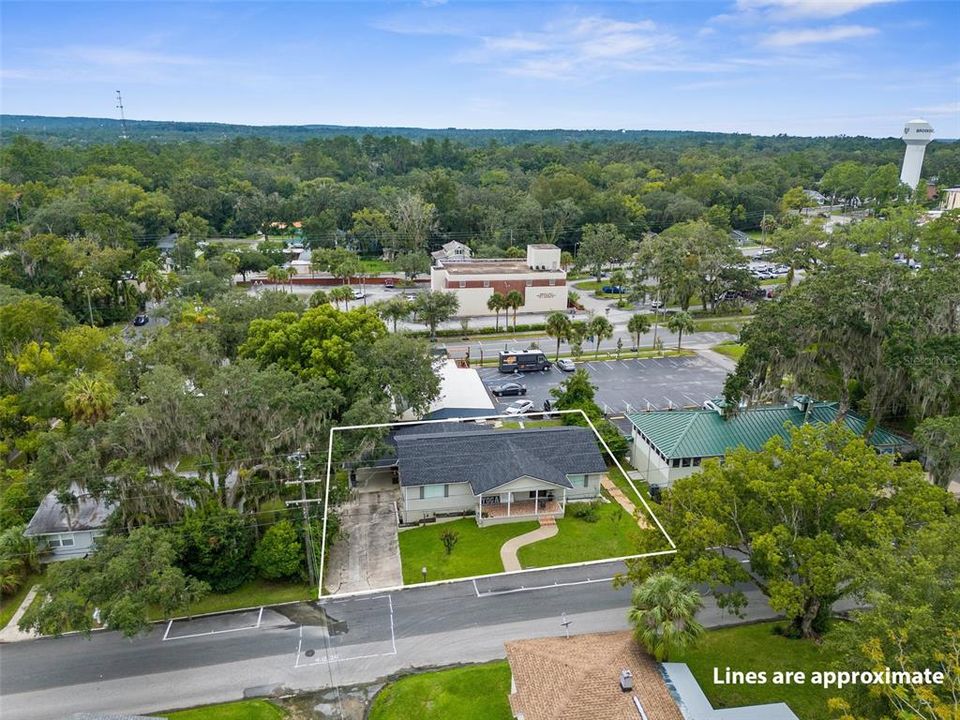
pixel 251 594
pixel 477 552
pixel 731 325
pixel 615 534
pixel 10 603
pixel 375 266
pixel 757 648
pixel 730 349
pixel 470 693
pixel 243 710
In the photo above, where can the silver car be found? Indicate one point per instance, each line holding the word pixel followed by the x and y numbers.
pixel 566 365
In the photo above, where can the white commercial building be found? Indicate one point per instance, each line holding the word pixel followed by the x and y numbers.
pixel 951 198
pixel 539 279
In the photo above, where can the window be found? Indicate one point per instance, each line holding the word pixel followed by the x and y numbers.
pixel 696 462
pixel 433 491
pixel 65 540
pixel 553 282
pixel 685 462
pixel 486 283
pixel 529 283
pixel 578 480
pixel 463 283
pixel 676 462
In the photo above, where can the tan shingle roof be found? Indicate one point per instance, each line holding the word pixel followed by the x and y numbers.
pixel 579 679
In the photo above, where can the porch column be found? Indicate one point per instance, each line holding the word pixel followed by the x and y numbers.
pixel 509 497
pixel 563 503
pixel 536 502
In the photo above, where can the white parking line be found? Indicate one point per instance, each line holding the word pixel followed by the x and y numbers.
pixel 492 593
pixel 211 632
pixel 333 654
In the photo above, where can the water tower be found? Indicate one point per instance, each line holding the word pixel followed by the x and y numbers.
pixel 916 134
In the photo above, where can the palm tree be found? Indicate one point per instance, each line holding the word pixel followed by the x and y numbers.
pixel 663 614
pixel 558 326
pixel 638 325
pixel 88 398
pixel 681 323
pixel 601 329
pixel 513 301
pixel 345 293
pixel 395 309
pixel 153 281
pixel 275 274
pixel 497 302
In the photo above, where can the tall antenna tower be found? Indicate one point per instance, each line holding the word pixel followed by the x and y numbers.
pixel 123 120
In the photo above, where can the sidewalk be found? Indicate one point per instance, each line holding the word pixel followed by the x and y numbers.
pixel 11 633
pixel 508 553
pixel 623 501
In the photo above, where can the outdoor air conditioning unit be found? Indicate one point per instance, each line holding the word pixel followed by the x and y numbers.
pixel 626 680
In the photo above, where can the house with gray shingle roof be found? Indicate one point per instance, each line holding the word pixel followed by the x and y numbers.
pixel 69 530
pixel 496 475
pixel 671 444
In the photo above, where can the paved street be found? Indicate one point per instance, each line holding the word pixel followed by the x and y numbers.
pixel 626 385
pixel 311 646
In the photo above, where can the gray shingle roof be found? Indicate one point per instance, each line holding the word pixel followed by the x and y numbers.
pixel 51 517
pixel 488 460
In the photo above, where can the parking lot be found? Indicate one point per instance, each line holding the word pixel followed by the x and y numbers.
pixel 625 385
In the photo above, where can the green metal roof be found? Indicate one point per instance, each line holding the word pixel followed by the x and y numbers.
pixel 705 433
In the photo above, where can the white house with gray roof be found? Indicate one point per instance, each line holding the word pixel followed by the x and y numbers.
pixel 69 530
pixel 496 475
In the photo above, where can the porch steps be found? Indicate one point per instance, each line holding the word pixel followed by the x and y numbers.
pixel 547 521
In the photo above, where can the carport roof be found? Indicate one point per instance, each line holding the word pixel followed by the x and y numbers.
pixel 706 433
pixel 489 459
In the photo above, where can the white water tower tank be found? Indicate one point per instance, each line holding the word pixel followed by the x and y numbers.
pixel 916 134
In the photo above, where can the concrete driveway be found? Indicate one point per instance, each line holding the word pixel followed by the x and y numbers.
pixel 367 556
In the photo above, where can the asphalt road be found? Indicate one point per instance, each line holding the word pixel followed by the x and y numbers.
pixel 308 646
pixel 625 385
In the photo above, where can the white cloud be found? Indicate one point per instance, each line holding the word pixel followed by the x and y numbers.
pixel 811 36
pixel 580 46
pixel 808 8
pixel 947 108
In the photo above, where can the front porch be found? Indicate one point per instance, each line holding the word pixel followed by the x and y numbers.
pixel 503 507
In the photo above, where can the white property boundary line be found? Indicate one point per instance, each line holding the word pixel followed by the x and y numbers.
pixel 326 503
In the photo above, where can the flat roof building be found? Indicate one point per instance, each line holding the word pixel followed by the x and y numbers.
pixel 539 279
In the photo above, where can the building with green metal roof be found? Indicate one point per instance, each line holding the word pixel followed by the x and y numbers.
pixel 670 444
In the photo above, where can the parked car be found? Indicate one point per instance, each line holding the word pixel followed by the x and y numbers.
pixel 614 289
pixel 389 285
pixel 410 296
pixel 520 407
pixel 566 365
pixel 359 294
pixel 767 251
pixel 510 388
pixel 141 319
pixel 656 304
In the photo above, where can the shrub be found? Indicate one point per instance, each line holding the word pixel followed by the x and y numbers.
pixel 214 546
pixel 279 553
pixel 449 538
pixel 585 511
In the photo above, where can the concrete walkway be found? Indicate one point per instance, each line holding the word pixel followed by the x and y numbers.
pixel 623 501
pixel 508 553
pixel 11 633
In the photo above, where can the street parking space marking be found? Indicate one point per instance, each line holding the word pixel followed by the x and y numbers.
pixel 167 638
pixel 334 653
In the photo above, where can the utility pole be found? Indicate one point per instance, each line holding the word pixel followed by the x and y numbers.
pixel 307 531
pixel 123 120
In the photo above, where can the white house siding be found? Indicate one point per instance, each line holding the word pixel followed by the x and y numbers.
pixel 645 459
pixel 459 498
pixel 83 542
pixel 590 492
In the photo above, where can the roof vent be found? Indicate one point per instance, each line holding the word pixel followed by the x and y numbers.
pixel 626 680
pixel 803 403
pixel 717 404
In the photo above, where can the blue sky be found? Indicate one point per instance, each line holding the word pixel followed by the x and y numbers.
pixel 807 67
